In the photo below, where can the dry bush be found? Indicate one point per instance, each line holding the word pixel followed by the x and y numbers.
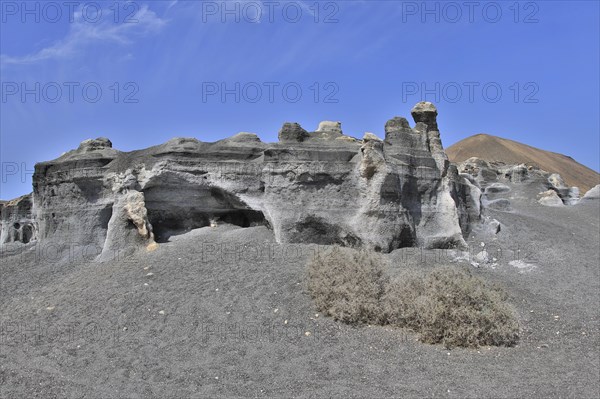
pixel 347 285
pixel 448 305
pixel 451 306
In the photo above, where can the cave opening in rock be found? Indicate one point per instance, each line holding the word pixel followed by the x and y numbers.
pixel 316 230
pixel 173 212
pixel 26 233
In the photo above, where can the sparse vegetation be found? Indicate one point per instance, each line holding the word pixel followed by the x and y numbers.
pixel 348 285
pixel 447 305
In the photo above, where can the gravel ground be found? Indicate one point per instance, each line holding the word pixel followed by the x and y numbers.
pixel 224 312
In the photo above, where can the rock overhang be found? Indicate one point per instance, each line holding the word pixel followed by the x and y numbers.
pixel 365 192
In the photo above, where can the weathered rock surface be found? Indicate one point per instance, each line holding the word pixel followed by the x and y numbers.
pixel 292 132
pixel 494 149
pixel 16 221
pixel 495 179
pixel 550 198
pixel 311 187
pixel 592 194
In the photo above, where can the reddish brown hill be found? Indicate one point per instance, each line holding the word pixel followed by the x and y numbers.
pixel 492 148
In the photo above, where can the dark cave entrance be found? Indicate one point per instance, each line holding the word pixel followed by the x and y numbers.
pixel 173 210
pixel 26 233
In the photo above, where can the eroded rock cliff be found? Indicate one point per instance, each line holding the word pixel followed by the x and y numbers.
pixel 311 187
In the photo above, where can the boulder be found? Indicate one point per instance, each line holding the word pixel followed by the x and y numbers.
pixel 328 130
pixel 426 113
pixel 370 137
pixel 245 137
pixel 292 132
pixel 90 145
pixel 572 196
pixel 493 226
pixel 556 181
pixel 568 195
pixel 592 194
pixel 330 126
pixel 550 198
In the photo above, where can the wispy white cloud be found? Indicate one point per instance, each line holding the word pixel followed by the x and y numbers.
pixel 172 4
pixel 83 34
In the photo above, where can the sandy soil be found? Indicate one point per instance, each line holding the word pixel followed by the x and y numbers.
pixel 225 313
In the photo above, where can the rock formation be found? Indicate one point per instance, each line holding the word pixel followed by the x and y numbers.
pixel 592 194
pixel 550 198
pixel 318 187
pixel 311 187
pixel 497 149
pixel 16 221
pixel 494 178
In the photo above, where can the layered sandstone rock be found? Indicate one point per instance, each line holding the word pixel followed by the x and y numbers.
pixel 16 221
pixel 311 187
pixel 495 180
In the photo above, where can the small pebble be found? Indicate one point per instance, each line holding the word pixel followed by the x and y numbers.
pixel 161 312
pixel 150 274
pixel 307 333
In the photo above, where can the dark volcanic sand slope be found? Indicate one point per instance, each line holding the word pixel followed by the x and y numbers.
pixel 211 322
pixel 492 148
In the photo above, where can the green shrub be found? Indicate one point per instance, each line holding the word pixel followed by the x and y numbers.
pixel 447 305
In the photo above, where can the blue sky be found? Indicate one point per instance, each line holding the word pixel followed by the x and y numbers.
pixel 528 72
